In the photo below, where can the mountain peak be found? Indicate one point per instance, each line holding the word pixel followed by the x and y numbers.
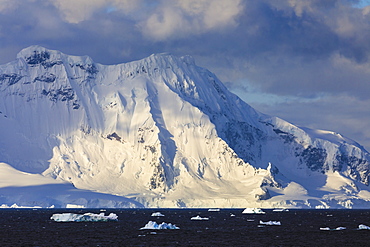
pixel 165 61
pixel 189 60
pixel 36 54
pixel 167 133
pixel 36 50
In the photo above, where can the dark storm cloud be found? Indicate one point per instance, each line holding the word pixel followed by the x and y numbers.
pixel 320 48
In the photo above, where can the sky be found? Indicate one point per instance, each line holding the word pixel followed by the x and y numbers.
pixel 305 61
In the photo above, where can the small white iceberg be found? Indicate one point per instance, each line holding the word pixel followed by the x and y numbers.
pixel 152 225
pixel 157 214
pixel 335 229
pixel 214 210
pixel 74 206
pixel 363 227
pixel 253 211
pixel 198 218
pixel 69 217
pixel 270 223
pixel 280 210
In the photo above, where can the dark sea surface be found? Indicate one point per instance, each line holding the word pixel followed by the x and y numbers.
pixel 29 227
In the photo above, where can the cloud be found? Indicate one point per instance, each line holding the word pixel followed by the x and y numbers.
pixel 159 19
pixel 6 5
pixel 213 14
pixel 344 114
pixel 76 11
pixel 181 18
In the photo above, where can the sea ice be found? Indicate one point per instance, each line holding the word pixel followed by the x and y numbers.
pixel 363 227
pixel 335 229
pixel 16 206
pixel 157 214
pixel 74 206
pixel 270 223
pixel 198 218
pixel 280 210
pixel 253 211
pixel 69 217
pixel 152 225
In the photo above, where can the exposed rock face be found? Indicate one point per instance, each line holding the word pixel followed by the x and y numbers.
pixel 166 133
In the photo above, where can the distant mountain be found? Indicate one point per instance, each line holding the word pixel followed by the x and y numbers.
pixel 162 132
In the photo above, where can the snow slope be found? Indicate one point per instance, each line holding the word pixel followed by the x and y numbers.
pixel 164 132
pixel 30 190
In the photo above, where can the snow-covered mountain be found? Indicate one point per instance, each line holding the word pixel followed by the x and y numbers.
pixel 159 132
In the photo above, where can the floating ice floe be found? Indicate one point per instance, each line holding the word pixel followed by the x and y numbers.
pixel 232 215
pixel 270 223
pixel 152 225
pixel 157 214
pixel 69 217
pixel 214 210
pixel 335 229
pixel 280 210
pixel 253 211
pixel 16 206
pixel 363 227
pixel 74 206
pixel 198 218
pixel 325 229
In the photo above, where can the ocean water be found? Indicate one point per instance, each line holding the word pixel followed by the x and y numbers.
pixel 28 227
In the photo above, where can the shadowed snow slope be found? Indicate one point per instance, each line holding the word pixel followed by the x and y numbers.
pixel 165 133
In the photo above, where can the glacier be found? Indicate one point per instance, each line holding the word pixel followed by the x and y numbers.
pixel 159 132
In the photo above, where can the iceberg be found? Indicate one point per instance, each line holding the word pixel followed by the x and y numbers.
pixel 280 210
pixel 253 211
pixel 270 223
pixel 152 225
pixel 17 206
pixel 74 206
pixel 69 217
pixel 363 227
pixel 198 218
pixel 214 210
pixel 335 229
pixel 157 214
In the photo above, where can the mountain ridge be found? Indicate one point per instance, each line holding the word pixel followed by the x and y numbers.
pixel 166 133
